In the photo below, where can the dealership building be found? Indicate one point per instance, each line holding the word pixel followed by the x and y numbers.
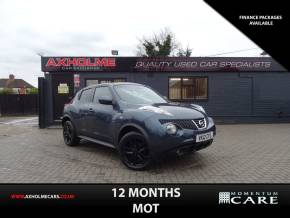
pixel 231 89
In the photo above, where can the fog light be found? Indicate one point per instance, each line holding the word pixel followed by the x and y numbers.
pixel 171 129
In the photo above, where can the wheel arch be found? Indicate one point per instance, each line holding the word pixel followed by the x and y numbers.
pixel 131 127
pixel 67 117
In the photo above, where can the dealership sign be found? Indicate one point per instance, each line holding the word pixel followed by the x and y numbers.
pixel 248 197
pixel 200 64
pixel 78 63
pixel 159 64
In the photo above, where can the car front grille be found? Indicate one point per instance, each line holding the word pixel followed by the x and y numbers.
pixel 194 124
pixel 200 123
pixel 184 123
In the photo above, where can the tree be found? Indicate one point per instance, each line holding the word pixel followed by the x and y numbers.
pixel 184 52
pixel 264 53
pixel 162 44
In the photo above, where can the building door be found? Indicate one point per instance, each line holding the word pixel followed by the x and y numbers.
pixel 63 92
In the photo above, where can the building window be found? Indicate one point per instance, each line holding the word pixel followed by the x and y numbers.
pixel 188 88
pixel 106 80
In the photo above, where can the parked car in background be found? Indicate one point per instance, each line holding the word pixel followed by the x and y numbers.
pixel 137 121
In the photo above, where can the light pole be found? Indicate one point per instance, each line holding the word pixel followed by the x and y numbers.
pixel 115 52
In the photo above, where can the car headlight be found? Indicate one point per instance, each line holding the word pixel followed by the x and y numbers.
pixel 171 129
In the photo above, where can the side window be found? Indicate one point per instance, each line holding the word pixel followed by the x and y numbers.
pixel 102 92
pixel 87 95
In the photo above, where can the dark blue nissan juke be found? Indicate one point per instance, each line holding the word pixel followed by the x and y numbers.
pixel 141 124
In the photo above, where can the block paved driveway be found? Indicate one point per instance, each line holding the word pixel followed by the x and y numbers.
pixel 256 153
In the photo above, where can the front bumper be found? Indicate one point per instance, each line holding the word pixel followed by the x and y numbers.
pixel 183 142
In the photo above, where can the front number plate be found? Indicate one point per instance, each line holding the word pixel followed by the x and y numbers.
pixel 204 137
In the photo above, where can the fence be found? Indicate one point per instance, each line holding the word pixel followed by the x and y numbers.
pixel 18 104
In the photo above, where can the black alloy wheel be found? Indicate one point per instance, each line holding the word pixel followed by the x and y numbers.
pixel 134 151
pixel 69 134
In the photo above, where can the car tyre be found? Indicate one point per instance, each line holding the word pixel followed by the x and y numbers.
pixel 69 134
pixel 134 151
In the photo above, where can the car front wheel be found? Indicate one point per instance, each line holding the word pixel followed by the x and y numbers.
pixel 69 134
pixel 134 151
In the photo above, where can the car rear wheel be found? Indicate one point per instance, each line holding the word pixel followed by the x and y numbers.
pixel 134 151
pixel 69 134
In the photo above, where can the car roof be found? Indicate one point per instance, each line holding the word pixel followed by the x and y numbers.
pixel 113 84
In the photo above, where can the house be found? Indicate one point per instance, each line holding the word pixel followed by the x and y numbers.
pixel 14 86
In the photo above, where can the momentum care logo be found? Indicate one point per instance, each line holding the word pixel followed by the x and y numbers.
pixel 248 198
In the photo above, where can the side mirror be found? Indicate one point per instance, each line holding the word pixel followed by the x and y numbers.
pixel 106 101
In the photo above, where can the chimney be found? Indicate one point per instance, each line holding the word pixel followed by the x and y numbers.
pixel 11 77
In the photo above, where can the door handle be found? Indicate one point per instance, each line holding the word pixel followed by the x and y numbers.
pixel 91 110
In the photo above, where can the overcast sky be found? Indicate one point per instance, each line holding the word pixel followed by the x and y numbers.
pixel 94 28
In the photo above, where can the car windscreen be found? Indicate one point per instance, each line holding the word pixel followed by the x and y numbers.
pixel 138 94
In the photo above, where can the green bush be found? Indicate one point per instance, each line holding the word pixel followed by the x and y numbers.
pixel 6 91
pixel 32 91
